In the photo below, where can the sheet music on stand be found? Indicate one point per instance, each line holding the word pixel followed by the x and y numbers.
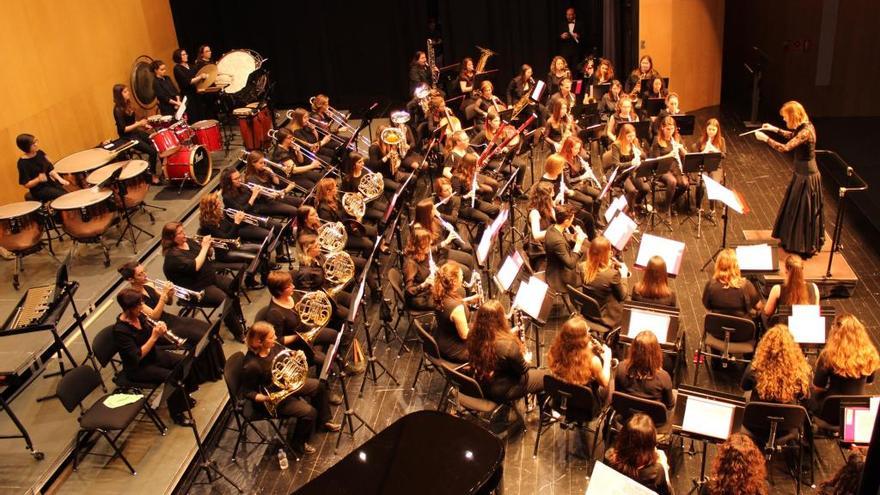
pixel 716 192
pixel 607 481
pixel 807 325
pixel 509 270
pixel 708 418
pixel 620 230
pixel 655 322
pixel 671 251
pixel 617 204
pixel 180 110
pixel 530 297
pixel 858 420
pixel 489 235
pixel 755 257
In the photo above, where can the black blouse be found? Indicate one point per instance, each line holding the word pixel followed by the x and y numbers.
pixel 30 168
pixel 165 92
pixel 256 373
pixel 447 334
pixel 183 75
pixel 180 267
pixel 122 120
pixel 129 341
pixel 286 321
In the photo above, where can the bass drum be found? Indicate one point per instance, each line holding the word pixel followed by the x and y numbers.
pixel 191 163
pixel 235 67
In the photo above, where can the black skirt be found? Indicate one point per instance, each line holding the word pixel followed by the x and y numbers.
pixel 800 224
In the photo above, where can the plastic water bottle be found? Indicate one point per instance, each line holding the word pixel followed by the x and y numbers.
pixel 282 459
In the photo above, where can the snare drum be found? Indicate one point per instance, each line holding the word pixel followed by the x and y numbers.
pixel 190 163
pixel 20 225
pixel 85 214
pixel 133 177
pixel 183 132
pixel 254 125
pixel 160 121
pixel 207 133
pixel 166 142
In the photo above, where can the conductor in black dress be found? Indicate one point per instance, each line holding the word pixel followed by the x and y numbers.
pixel 800 224
pixel 571 37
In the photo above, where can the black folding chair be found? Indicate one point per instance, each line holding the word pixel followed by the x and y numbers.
pixel 779 427
pixel 725 337
pixel 572 407
pixel 431 361
pixel 468 398
pixel 395 280
pixel 591 311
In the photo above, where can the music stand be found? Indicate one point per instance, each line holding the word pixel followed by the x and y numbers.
pixel 757 259
pixel 334 354
pixel 809 325
pixel 732 200
pixel 489 235
pixel 685 124
pixel 651 169
pixel 707 416
pixel 599 90
pixel 533 300
pixel 620 230
pixel 857 418
pixel 653 106
pixel 701 164
pixel 664 323
pixel 670 250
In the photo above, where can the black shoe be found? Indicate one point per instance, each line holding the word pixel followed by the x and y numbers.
pixel 254 286
pixel 181 420
pixel 275 267
pixel 282 259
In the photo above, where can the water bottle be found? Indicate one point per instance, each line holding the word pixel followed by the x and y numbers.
pixel 282 459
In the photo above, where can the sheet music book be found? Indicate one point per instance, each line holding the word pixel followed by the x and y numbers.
pixel 858 422
pixel 671 251
pixel 618 204
pixel 489 235
pixel 620 230
pixel 805 310
pixel 708 417
pixel 606 481
pixel 640 320
pixel 715 191
pixel 509 270
pixel 536 93
pixel 807 329
pixel 530 297
pixel 757 257
pixel 180 110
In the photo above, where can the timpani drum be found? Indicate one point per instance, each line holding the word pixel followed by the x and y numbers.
pixel 191 163
pixel 166 141
pixel 207 133
pixel 20 225
pixel 85 214
pixel 77 166
pixel 133 177
pixel 254 123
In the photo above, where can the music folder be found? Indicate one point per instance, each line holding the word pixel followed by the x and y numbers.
pixel 607 481
pixel 662 323
pixel 654 105
pixel 685 124
pixel 531 298
pixel 509 270
pixel 618 204
pixel 757 258
pixel 671 251
pixel 620 230
pixel 489 235
pixel 715 191
pixel 858 417
pixel 707 415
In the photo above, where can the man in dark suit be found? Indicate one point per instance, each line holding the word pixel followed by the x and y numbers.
pixel 562 259
pixel 571 38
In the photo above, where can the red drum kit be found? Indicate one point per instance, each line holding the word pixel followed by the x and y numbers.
pixel 191 163
pixel 254 122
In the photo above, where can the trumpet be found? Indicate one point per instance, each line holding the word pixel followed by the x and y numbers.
pixel 179 292
pixel 263 191
pixel 248 218
pixel 169 335
pixel 219 243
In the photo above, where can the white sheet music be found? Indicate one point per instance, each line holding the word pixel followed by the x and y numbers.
pixel 530 297
pixel 509 270
pixel 755 257
pixel 180 110
pixel 648 320
pixel 708 417
pixel 618 204
pixel 807 329
pixel 805 310
pixel 606 481
pixel 715 191
pixel 671 251
pixel 620 231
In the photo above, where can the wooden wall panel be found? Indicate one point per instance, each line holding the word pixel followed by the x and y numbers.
pixel 61 60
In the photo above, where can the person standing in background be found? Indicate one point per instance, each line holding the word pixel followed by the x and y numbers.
pixel 570 37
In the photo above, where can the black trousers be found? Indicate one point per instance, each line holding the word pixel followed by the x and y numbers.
pixel 308 405
pixel 159 372
pixel 145 145
pixel 47 191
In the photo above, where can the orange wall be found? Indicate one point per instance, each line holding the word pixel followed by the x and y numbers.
pixel 61 59
pixel 685 38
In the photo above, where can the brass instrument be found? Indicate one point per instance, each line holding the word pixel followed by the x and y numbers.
pixel 354 205
pixel 169 335
pixel 263 191
pixel 248 218
pixel 332 236
pixel 338 268
pixel 314 308
pixel 280 167
pixel 219 243
pixel 289 372
pixel 393 137
pixel 371 186
pixel 179 292
pixel 485 53
pixel 520 105
pixel 423 94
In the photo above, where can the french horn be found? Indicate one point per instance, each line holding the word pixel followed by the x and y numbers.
pixel 289 372
pixel 332 237
pixel 314 309
pixel 338 268
pixel 354 205
pixel 372 185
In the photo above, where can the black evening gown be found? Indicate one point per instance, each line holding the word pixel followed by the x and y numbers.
pixel 800 224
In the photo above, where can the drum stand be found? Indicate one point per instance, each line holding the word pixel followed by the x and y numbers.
pixel 121 192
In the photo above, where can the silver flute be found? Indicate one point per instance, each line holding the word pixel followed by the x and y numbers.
pixel 179 292
pixel 169 335
pixel 248 218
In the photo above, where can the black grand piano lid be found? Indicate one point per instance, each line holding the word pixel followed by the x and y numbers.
pixel 142 82
pixel 425 452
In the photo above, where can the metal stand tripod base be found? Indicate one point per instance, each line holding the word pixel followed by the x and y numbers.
pixel 349 417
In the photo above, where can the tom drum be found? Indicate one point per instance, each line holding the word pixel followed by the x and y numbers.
pixel 190 163
pixel 20 225
pixel 166 142
pixel 207 133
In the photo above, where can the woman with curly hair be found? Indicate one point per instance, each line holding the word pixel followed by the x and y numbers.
pixel 738 468
pixel 779 372
pixel 575 359
pixel 452 313
pixel 728 292
pixel 642 374
pixel 847 362
pixel 846 480
pixel 795 290
pixel 635 454
pixel 497 357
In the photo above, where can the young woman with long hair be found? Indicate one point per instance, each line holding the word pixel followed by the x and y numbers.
pixel 127 127
pixel 642 374
pixel 213 222
pixel 554 174
pixel 608 103
pixel 847 362
pixel 541 218
pixel 626 152
pixel 738 468
pixel 559 124
pixel 635 454
pixel 779 371
pixel 446 245
pixel 727 292
pixel 668 141
pixel 795 290
pixel 577 173
pixel 711 141
pixel 452 313
pixel 329 207
pixel 604 280
pixel 497 356
pixel 573 358
pixel 654 286
pixel 258 172
pixel 558 71
pixel 624 113
pixel 305 172
pixel 418 275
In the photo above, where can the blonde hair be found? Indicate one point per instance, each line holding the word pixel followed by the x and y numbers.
pixel 849 351
pixel 794 114
pixel 781 370
pixel 727 269
pixel 555 164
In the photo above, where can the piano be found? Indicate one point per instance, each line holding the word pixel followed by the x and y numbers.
pixel 425 452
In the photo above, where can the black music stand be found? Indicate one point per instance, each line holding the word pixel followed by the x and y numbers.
pixel 651 169
pixel 685 124
pixel 730 197
pixel 700 163
pixel 653 106
pixel 517 236
pixel 349 415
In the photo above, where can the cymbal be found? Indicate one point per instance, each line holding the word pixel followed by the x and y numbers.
pixel 211 71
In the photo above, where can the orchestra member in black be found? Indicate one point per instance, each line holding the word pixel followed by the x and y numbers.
pixel 668 142
pixel 447 242
pixel 209 365
pixel 579 176
pixel 638 77
pixel 554 168
pixel 604 72
pixel 541 217
pixel 521 85
pixel 452 313
pixel 309 404
pixel 608 103
pixel 418 270
pixel 711 141
pixel 559 124
pixel 258 172
pixel 586 71
pixel 448 203
pixel 386 160
pixel 166 93
pixel 215 223
pixel 309 275
pixel 35 171
pixel 627 154
pixel 238 197
pixel 504 159
pixel 309 223
pixel 353 171
pixel 604 279
pixel 564 93
pixel 486 100
pixel 305 134
pixel 466 76
pixel 186 78
pixel 558 71
pixel 623 114
pixel 304 172
pixel 187 264
pixel 321 113
pixel 136 341
pixel 419 72
pixel 459 144
pixel 330 209
pixel 671 108
pixel 128 128
pixel 562 258
pixel 462 182
pixel 207 99
pixel 571 38
pixel 203 57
